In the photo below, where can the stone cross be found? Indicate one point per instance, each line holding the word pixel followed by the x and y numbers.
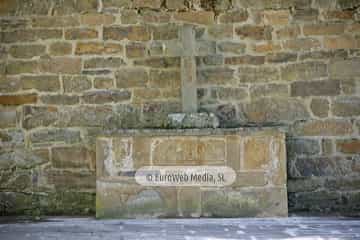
pixel 188 70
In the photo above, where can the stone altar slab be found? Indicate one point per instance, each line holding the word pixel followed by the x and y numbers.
pixel 258 156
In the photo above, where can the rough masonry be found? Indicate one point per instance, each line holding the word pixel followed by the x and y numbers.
pixel 72 70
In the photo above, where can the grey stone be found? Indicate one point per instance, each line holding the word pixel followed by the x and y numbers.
pixel 192 120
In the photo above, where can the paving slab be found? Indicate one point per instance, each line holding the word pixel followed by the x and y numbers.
pixel 184 229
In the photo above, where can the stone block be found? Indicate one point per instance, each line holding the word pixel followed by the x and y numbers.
pixel 43 83
pixel 218 75
pixel 346 107
pixel 304 71
pixel 76 83
pixel 54 135
pixel 131 77
pixel 248 152
pixel 271 110
pixel 246 59
pixel 196 17
pixel 132 33
pixel 18 99
pixel 237 16
pixel 260 74
pixel 36 116
pixel 101 63
pixel 26 51
pixel 135 50
pixel 64 65
pixel 59 99
pixel 329 127
pixel 350 146
pixel 254 32
pixel 72 157
pixel 232 47
pixel 8 116
pixel 60 48
pixel 86 48
pixel 80 34
pixel 320 107
pixel 315 88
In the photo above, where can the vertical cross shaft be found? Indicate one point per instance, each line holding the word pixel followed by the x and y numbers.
pixel 188 70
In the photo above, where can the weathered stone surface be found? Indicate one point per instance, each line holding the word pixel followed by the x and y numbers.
pixel 219 75
pixel 18 99
pixel 304 71
pixel 256 153
pixel 54 135
pixel 254 32
pixel 59 99
pixel 221 31
pixel 299 44
pixel 31 35
pixel 344 68
pixel 36 116
pixel 246 59
pixel 288 32
pixel 86 48
pixel 80 34
pixel 234 16
pixel 61 65
pixel 69 180
pixel 60 48
pixel 93 19
pixel 105 96
pixel 280 17
pixel 320 107
pixel 351 146
pixel 135 50
pixel 19 67
pixel 22 159
pixel 302 147
pixel 346 106
pixel 133 33
pixel 271 4
pixel 26 51
pixel 165 79
pixel 103 82
pixel 8 116
pixel 269 90
pixel 76 83
pixel 305 14
pixel 323 29
pixel 275 110
pixel 110 62
pixel 315 88
pixel 321 166
pixel 131 77
pixel 232 47
pixel 192 120
pixel 243 204
pixel 227 93
pixel 72 157
pixel 258 74
pixel 197 17
pixel 159 62
pixel 165 32
pixel 45 83
pixel 118 195
pixel 12 138
pixel 329 127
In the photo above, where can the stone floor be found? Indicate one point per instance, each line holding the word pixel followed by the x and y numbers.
pixel 173 229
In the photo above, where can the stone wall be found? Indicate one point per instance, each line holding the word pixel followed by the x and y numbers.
pixel 73 69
